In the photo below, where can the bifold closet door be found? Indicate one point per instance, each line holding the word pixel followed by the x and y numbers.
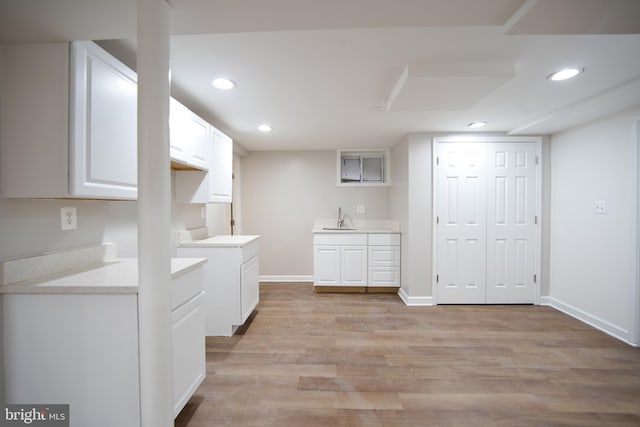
pixel 486 197
pixel 461 224
pixel 511 218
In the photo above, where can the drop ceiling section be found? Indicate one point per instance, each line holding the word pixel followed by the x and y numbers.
pixel 365 73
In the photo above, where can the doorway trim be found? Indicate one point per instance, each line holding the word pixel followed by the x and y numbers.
pixel 462 138
pixel 634 327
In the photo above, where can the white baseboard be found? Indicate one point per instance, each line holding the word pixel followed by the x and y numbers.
pixel 287 278
pixel 414 301
pixel 598 323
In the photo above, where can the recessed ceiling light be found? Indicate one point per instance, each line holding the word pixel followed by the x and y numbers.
pixel 223 83
pixel 565 74
pixel 477 124
pixel 265 128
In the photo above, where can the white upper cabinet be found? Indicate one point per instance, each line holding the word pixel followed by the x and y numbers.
pixel 221 171
pixel 68 115
pixel 189 138
pixel 103 128
pixel 215 183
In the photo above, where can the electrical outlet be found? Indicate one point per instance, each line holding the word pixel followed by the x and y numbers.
pixel 361 209
pixel 68 218
pixel 600 207
pixel 203 212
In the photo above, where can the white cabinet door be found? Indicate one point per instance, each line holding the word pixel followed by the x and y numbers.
pixel 199 142
pixel 82 350
pixel 249 286
pixel 103 129
pixel 221 170
pixel 189 365
pixel 326 264
pixel 178 117
pixel 189 138
pixel 353 265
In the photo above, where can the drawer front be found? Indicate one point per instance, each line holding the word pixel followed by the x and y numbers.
pixel 250 250
pixel 384 276
pixel 340 239
pixel 384 256
pixel 382 239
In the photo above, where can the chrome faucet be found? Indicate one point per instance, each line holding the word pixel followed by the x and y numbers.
pixel 340 218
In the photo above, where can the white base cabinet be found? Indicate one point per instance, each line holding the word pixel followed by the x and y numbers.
pixel 354 259
pixel 231 284
pixel 340 259
pixel 81 348
pixel 78 349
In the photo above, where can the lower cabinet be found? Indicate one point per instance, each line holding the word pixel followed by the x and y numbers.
pixel 384 260
pixel 76 349
pixel 231 284
pixel 340 260
pixel 82 349
pixel 353 259
pixel 189 354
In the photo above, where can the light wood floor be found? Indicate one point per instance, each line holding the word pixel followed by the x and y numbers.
pixel 309 359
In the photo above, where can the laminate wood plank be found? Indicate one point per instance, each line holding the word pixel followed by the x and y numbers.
pixel 322 359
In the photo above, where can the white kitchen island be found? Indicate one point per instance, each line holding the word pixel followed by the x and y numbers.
pixel 71 334
pixel 231 277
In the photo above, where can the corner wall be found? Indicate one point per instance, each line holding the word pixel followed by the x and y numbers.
pixel 592 273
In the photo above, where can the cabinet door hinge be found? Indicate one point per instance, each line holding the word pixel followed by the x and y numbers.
pixel 437 220
pixel 233 222
pixel 437 160
pixel 437 278
pixel 535 219
pixel 535 278
pixel 537 160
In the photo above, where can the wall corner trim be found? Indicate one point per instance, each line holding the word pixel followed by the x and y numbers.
pixel 414 301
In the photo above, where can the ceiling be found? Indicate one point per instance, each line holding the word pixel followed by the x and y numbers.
pixel 365 73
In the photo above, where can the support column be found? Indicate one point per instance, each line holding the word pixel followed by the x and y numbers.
pixel 154 215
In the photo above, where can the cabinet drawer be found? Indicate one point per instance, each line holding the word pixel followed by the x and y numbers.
pixel 384 276
pixel 340 239
pixel 250 250
pixel 384 239
pixel 384 255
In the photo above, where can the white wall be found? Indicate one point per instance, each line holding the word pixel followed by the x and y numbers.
pixel 593 256
pixel 29 227
pixel 284 191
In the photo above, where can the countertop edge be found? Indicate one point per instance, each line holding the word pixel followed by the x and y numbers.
pixel 179 267
pixel 225 242
pixel 356 231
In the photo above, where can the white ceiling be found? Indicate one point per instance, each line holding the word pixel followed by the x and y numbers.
pixel 364 73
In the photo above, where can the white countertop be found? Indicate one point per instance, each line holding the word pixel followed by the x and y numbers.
pixel 218 242
pixel 328 226
pixel 111 277
pixel 383 230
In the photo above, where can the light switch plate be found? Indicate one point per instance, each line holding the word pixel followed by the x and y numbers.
pixel 68 218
